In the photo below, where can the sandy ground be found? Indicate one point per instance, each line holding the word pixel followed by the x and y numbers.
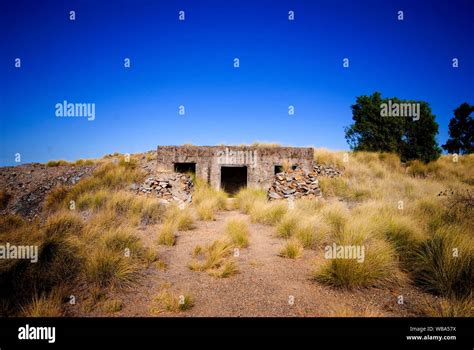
pixel 264 286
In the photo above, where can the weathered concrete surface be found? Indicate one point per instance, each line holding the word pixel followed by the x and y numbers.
pixel 260 161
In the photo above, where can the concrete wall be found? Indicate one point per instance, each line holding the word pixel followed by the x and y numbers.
pixel 260 161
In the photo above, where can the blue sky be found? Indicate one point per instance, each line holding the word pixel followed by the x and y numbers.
pixel 190 63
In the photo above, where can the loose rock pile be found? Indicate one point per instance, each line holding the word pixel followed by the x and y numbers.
pixel 297 183
pixel 326 171
pixel 168 187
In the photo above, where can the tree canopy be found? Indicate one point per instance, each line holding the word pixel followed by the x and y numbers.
pixel 412 135
pixel 461 131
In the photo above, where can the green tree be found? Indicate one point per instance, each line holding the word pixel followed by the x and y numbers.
pixel 461 131
pixel 419 139
pixel 411 138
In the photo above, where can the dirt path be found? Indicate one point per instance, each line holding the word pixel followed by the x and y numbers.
pixel 264 285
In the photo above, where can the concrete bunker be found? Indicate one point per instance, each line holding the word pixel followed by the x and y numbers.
pixel 232 167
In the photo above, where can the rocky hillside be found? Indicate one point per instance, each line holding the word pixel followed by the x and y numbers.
pixel 24 187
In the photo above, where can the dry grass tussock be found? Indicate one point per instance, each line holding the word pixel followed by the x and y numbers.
pixel 216 259
pixel 170 301
pixel 208 201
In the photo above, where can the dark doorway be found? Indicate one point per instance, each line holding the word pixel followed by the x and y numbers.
pixel 185 168
pixel 233 178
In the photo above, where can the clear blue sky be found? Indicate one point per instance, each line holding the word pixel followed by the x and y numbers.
pixel 190 63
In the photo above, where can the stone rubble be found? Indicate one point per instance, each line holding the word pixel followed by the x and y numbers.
pixel 326 171
pixel 296 183
pixel 170 187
